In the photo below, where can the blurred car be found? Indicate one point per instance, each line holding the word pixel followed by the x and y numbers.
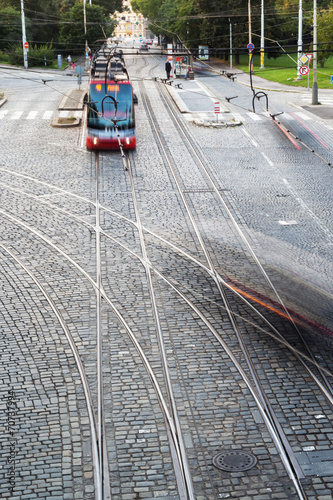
pixel 144 46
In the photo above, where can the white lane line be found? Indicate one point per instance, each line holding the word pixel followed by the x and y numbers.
pixel 3 114
pixel 307 209
pixel 249 136
pixel 64 114
pixel 268 160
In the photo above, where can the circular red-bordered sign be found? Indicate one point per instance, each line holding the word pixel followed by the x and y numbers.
pixel 26 45
pixel 250 46
pixel 304 70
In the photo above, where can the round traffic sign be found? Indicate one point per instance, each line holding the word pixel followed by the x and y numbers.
pixel 26 45
pixel 250 46
pixel 303 70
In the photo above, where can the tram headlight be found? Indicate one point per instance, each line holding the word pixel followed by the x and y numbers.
pixel 95 141
pixel 127 140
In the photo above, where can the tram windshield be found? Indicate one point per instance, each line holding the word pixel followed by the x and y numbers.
pixel 102 109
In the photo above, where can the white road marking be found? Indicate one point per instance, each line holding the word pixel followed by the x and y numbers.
pixel 32 115
pixel 16 115
pixel 47 115
pixel 254 116
pixel 268 160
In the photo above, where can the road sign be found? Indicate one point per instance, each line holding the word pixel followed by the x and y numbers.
pixel 303 59
pixel 26 45
pixel 332 80
pixel 250 46
pixel 217 108
pixel 303 70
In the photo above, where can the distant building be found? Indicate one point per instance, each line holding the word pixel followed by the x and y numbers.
pixel 130 24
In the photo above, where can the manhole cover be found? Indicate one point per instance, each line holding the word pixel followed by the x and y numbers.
pixel 234 461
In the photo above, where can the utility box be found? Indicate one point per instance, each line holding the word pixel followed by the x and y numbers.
pixel 191 74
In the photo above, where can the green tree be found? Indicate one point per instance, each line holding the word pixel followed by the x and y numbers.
pixel 11 27
pixel 325 35
pixel 98 25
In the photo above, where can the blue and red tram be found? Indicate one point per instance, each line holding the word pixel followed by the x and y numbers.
pixel 110 101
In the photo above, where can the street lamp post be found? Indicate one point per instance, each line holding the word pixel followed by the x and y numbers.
pixel 314 84
pixel 24 37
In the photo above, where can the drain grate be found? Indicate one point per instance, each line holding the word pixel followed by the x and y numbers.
pixel 234 461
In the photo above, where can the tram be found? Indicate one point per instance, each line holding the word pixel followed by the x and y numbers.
pixel 110 102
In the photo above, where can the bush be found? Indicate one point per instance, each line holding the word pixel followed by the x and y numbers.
pixel 4 57
pixel 36 55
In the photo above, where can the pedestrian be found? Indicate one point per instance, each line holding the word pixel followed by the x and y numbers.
pixel 168 69
pixel 69 60
pixel 187 74
pixel 73 65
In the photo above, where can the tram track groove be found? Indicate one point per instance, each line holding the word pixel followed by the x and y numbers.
pixel 267 413
pixel 328 391
pixel 296 465
pixel 101 294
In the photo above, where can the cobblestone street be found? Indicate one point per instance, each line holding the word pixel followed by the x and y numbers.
pixel 207 270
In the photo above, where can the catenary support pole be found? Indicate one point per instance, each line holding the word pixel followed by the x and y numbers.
pixel 262 40
pixel 314 84
pixel 300 42
pixel 230 45
pixel 24 37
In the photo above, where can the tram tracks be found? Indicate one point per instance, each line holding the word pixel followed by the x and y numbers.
pixel 151 269
pixel 285 450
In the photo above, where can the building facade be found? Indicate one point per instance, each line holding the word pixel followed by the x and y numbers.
pixel 131 24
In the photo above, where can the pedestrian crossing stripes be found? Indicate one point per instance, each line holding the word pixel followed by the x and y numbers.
pixel 328 100
pixel 33 115
pixel 296 116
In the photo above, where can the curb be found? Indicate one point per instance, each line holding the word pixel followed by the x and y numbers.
pixel 62 106
pixel 3 101
pixel 55 123
pixel 196 120
pixel 79 106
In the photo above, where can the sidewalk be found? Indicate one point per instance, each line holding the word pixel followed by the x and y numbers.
pixel 197 104
pixel 324 111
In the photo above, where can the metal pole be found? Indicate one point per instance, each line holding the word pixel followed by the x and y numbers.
pixel 24 38
pixel 314 85
pixel 230 45
pixel 250 37
pixel 262 42
pixel 300 14
pixel 84 17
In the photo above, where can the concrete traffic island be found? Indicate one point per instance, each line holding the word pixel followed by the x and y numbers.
pixel 73 101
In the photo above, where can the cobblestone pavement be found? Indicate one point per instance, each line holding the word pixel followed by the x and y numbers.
pixel 281 199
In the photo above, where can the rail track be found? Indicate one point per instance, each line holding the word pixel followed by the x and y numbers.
pixel 177 330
